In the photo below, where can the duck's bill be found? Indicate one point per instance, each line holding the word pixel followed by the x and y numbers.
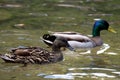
pixel 70 48
pixel 111 30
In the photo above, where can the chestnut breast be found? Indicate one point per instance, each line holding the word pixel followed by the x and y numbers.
pixel 22 52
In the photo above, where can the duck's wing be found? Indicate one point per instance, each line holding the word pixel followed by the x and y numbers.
pixel 48 39
pixel 48 42
pixel 37 55
pixel 66 32
pixel 78 40
pixel 75 40
pixel 6 58
pixel 74 37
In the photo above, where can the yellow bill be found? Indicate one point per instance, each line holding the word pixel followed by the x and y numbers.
pixel 111 29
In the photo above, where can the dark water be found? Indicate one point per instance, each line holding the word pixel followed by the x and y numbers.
pixel 101 63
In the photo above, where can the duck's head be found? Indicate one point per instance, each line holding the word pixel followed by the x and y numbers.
pixel 101 25
pixel 61 42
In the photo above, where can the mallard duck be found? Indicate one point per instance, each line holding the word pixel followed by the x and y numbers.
pixel 77 40
pixel 37 54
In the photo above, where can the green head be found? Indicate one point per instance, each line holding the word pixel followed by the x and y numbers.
pixel 99 26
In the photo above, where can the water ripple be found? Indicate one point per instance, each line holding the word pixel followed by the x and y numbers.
pixel 83 72
pixel 103 48
pixel 88 68
pixel 59 76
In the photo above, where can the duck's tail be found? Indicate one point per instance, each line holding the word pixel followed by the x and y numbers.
pixel 48 39
pixel 6 58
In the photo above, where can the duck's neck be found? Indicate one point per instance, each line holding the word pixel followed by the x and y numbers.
pixel 96 31
pixel 56 49
pixel 58 54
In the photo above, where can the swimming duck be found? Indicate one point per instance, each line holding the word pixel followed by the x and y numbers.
pixel 77 40
pixel 37 54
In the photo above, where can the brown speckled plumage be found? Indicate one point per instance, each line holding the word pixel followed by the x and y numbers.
pixel 36 55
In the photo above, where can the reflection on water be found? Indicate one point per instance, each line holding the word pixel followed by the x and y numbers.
pixel 88 68
pixel 100 14
pixel 72 73
pixel 91 72
pixel 38 14
pixel 116 73
pixel 8 69
pixel 83 14
pixel 111 53
pixel 59 76
pixel 74 6
pixel 10 5
pixel 41 74
pixel 102 49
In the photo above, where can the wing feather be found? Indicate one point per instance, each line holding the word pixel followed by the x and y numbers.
pixel 72 37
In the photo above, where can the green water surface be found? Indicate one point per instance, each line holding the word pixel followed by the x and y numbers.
pixel 37 17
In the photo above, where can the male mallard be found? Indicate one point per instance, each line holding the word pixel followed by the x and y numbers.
pixel 37 54
pixel 77 40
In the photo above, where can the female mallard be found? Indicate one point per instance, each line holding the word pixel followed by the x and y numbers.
pixel 77 40
pixel 36 54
